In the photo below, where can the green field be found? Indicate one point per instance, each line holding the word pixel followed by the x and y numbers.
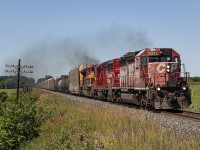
pixel 9 91
pixel 195 106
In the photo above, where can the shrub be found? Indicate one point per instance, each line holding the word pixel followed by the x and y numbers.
pixel 3 96
pixel 19 122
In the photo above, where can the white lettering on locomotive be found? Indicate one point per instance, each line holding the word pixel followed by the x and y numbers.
pixel 161 67
pixel 108 81
pixel 173 67
pixel 109 75
pixel 152 53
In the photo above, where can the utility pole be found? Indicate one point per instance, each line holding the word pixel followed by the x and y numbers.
pixel 18 71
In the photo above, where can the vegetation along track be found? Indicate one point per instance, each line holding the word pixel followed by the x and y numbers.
pixel 172 121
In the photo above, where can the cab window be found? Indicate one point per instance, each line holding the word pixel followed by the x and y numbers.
pixel 144 61
pixel 153 59
pixel 166 59
pixel 176 59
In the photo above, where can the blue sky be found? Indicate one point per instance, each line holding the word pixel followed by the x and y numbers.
pixel 45 33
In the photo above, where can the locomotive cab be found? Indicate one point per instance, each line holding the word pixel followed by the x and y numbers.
pixel 163 68
pixel 86 88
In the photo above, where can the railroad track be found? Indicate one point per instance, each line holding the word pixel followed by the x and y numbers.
pixel 178 113
pixel 184 114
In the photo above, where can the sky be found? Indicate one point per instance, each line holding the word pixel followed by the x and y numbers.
pixel 56 35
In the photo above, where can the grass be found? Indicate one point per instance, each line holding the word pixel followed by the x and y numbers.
pixel 77 125
pixel 9 91
pixel 195 106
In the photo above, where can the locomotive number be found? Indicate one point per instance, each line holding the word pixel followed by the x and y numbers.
pixel 167 53
pixel 153 53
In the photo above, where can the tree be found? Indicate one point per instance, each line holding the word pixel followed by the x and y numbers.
pixel 3 96
pixel 10 83
pixel 195 79
pixel 48 77
pixel 45 78
pixel 2 85
pixel 40 80
pixel 64 76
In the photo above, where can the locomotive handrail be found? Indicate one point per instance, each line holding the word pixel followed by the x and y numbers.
pixel 184 78
pixel 128 81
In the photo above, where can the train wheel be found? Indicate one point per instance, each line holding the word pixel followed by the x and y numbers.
pixel 143 104
pixel 118 100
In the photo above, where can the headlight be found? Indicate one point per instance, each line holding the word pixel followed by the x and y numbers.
pixel 168 66
pixel 168 70
pixel 158 88
pixel 184 88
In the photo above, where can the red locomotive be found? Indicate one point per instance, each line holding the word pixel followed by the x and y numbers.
pixel 149 78
pixel 106 79
pixel 152 78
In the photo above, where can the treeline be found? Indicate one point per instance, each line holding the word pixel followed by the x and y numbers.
pixel 45 78
pixel 10 82
pixel 195 79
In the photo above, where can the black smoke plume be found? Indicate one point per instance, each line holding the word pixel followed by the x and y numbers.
pixel 57 56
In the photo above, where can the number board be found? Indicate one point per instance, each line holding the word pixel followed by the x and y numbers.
pixel 153 53
pixel 167 52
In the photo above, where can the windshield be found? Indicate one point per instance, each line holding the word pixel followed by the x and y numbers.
pixel 160 59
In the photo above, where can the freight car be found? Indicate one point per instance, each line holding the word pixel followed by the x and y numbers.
pixel 48 84
pixel 148 78
pixel 63 85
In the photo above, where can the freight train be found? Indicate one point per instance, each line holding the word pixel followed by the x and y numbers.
pixel 151 77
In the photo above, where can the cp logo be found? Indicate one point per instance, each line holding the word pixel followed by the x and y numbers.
pixel 161 67
pixel 173 67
